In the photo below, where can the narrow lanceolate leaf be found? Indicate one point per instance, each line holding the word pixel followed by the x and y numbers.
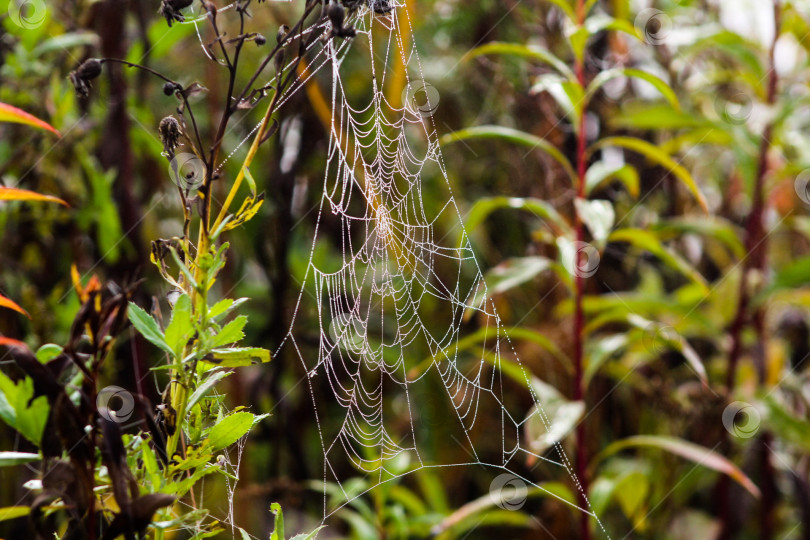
pixel 647 241
pixel 542 209
pixel 14 194
pixel 9 342
pixel 687 450
pixel 657 83
pixel 513 136
pixel 655 154
pixel 11 304
pixel 12 512
pixel 19 116
pixel 526 51
pixel 17 458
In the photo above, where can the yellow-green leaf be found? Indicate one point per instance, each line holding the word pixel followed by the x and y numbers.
pixel 526 51
pixel 238 356
pixel 687 450
pixel 655 154
pixel 11 512
pixel 513 136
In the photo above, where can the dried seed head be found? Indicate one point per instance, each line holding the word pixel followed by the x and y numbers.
pixel 82 75
pixel 282 33
pixel 260 40
pixel 170 132
pixel 336 15
pixel 170 88
pixel 170 10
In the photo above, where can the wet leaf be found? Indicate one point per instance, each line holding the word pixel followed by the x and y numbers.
pixel 687 450
pixel 513 136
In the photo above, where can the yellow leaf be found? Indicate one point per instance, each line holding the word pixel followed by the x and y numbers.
pixel 14 194
pixel 10 304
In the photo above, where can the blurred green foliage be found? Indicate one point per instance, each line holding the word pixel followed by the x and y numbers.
pixel 680 113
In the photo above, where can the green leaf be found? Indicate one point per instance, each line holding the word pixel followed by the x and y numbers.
pixel 147 327
pixel 8 459
pixel 513 136
pixel 566 8
pixel 63 42
pixel 238 357
pixel 542 209
pixel 223 307
pixel 653 153
pixel 668 336
pixel 657 83
pixel 48 352
pixel 278 523
pixel 308 536
pixel 600 172
pixel 19 411
pixel 600 23
pixel 563 414
pixel 601 350
pixel 231 429
pixel 526 51
pixel 508 275
pixel 786 424
pixel 12 512
pixel 709 226
pixel 794 275
pixel 647 241
pixel 477 508
pixel 568 95
pixel 203 389
pixel 687 450
pixel 598 216
pixel 231 332
pixel 657 116
pixel 181 327
pixel 250 181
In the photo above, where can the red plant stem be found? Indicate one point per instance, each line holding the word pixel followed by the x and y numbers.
pixel 755 261
pixel 581 464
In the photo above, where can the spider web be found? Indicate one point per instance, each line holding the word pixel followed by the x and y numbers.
pixel 384 374
pixel 379 360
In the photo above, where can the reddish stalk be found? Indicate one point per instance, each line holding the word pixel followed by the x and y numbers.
pixel 581 464
pixel 755 261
